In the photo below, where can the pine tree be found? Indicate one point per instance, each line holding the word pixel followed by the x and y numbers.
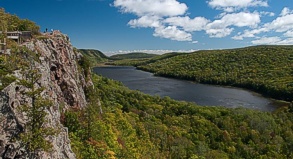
pixel 35 133
pixel 291 107
pixel 6 76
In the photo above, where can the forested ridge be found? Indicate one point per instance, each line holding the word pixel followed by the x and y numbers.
pixel 94 56
pixel 130 124
pixel 265 69
pixel 142 61
pixel 133 55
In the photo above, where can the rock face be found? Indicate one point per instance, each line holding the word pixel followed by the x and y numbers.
pixel 64 87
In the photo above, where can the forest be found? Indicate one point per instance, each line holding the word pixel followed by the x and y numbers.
pixel 95 57
pixel 264 69
pixel 133 55
pixel 10 22
pixel 129 124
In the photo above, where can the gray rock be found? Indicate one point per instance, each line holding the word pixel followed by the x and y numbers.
pixel 64 86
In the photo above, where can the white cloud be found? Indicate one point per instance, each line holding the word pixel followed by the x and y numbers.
pixel 169 20
pixel 219 32
pixel 289 33
pixel 190 25
pixel 232 5
pixel 288 41
pixel 239 36
pixel 151 7
pixel 273 41
pixel 286 11
pixel 173 33
pixel 145 21
pixel 266 40
pixel 271 14
pixel 219 28
pixel 282 24
pixel 229 9
pixel 151 13
pixel 241 19
pixel 250 33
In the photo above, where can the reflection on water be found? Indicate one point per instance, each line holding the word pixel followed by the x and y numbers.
pixel 201 94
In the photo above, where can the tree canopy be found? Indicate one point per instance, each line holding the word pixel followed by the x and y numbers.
pixel 135 125
pixel 10 22
pixel 265 69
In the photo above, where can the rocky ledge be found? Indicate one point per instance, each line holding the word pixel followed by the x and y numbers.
pixel 64 83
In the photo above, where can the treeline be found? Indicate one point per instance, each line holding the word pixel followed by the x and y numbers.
pixel 133 55
pixel 95 57
pixel 10 22
pixel 10 63
pixel 143 61
pixel 265 69
pixel 130 124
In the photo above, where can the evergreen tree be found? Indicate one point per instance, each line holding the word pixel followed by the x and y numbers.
pixel 5 73
pixel 291 107
pixel 36 131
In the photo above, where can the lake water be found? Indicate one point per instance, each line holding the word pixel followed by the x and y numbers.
pixel 202 94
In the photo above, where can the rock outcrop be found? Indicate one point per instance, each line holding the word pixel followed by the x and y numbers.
pixel 64 83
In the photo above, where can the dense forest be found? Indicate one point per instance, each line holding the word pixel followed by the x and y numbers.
pixel 133 55
pixel 94 56
pixel 265 69
pixel 141 61
pixel 130 124
pixel 10 22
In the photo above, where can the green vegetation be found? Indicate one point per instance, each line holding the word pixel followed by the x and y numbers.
pixel 10 22
pixel 95 57
pixel 8 64
pixel 143 61
pixel 5 72
pixel 35 133
pixel 130 124
pixel 134 55
pixel 84 66
pixel 265 69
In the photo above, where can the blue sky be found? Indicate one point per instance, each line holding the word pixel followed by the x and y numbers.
pixel 118 26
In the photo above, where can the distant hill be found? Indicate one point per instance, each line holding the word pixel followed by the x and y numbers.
pixel 95 56
pixel 134 55
pixel 144 61
pixel 164 56
pixel 265 69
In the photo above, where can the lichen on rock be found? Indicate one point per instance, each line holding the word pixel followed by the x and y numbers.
pixel 64 83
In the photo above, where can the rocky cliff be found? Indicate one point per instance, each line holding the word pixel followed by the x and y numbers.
pixel 64 83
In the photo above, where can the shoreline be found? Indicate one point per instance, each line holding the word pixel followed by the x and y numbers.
pixel 277 102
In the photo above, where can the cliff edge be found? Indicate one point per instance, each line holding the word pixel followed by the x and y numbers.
pixel 64 84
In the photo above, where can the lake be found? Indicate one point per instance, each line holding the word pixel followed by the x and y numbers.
pixel 201 94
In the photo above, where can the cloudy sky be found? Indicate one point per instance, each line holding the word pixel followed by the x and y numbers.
pixel 162 25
